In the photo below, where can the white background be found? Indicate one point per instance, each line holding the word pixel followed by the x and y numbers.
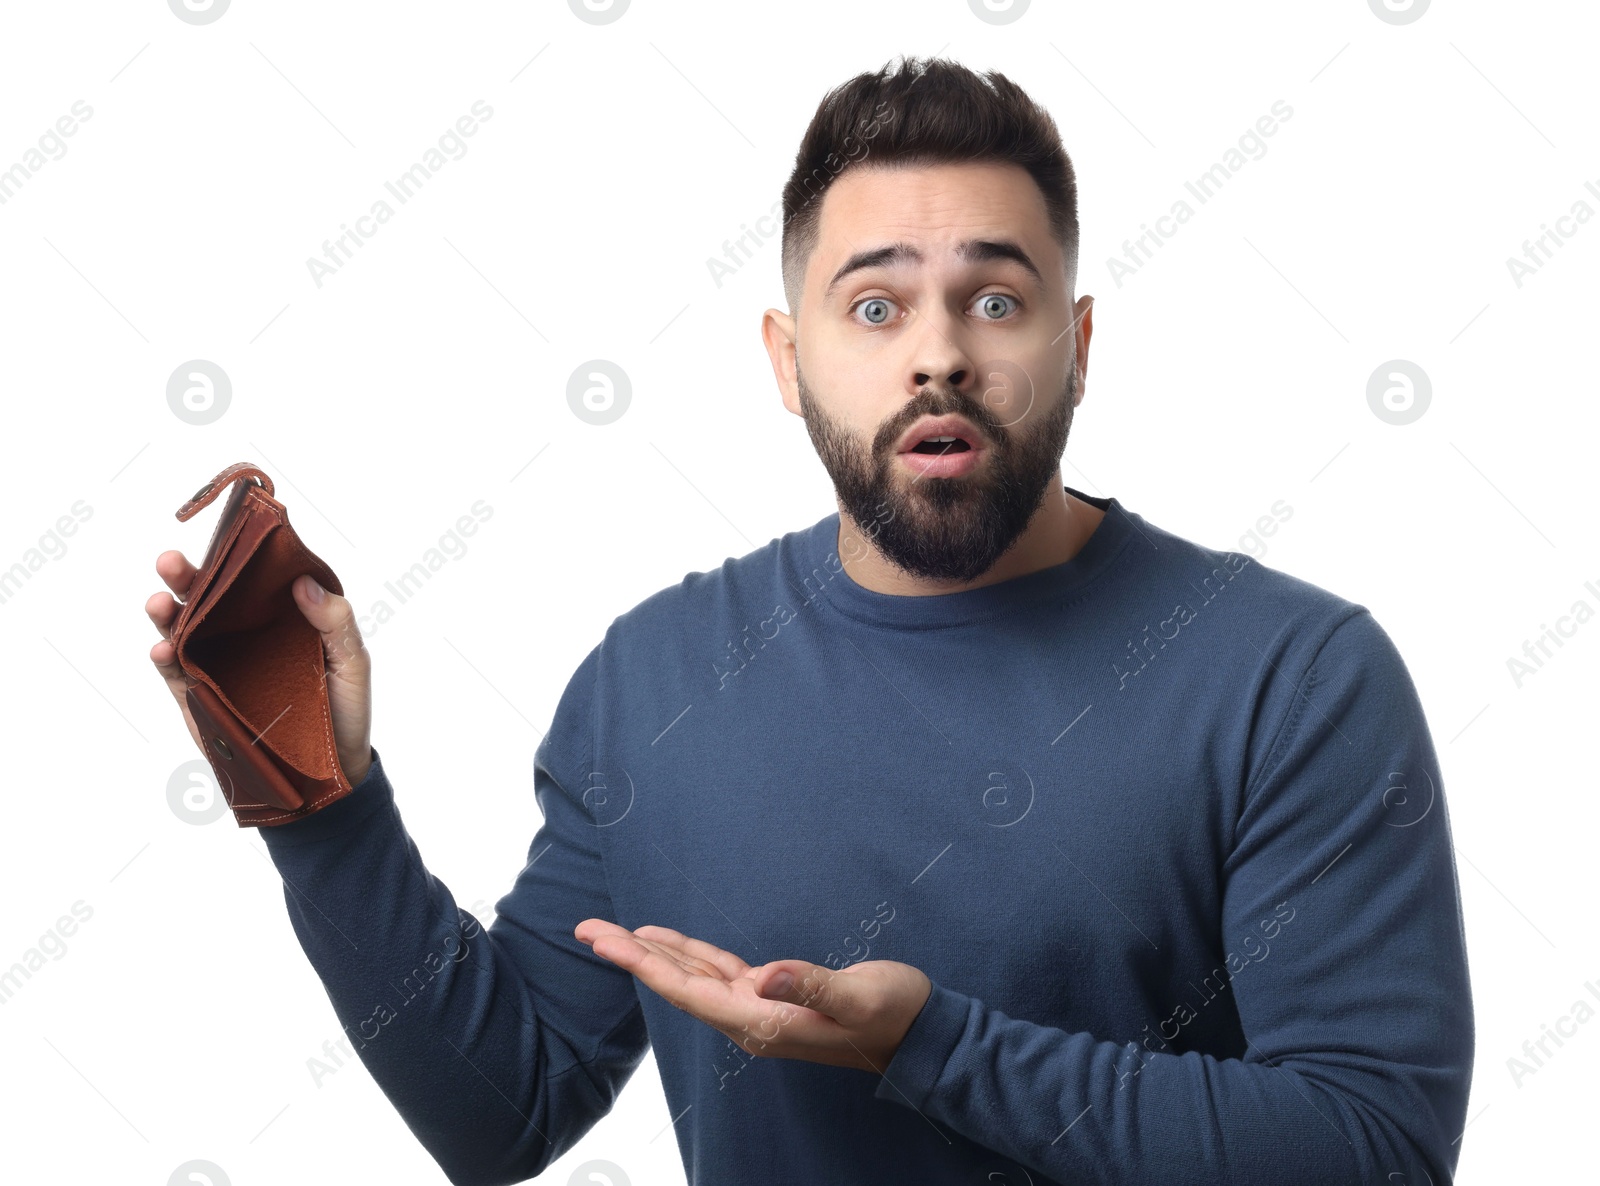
pixel 430 372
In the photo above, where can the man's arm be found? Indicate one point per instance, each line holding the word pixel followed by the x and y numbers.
pixel 1346 957
pixel 499 1048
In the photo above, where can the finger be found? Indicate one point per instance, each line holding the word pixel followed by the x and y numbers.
pixel 815 987
pixel 591 928
pixel 693 965
pixel 733 1008
pixel 173 567
pixel 162 609
pixel 708 997
pixel 165 658
pixel 595 930
pixel 726 962
pixel 335 620
pixel 657 965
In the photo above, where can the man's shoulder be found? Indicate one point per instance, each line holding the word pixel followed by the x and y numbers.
pixel 1262 637
pixel 1240 588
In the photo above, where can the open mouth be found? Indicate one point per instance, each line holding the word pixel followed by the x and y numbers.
pixel 941 445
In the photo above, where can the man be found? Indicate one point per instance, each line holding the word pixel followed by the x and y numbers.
pixel 1056 842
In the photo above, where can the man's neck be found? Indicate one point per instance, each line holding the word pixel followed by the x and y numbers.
pixel 1058 529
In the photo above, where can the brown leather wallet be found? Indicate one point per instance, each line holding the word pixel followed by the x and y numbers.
pixel 260 693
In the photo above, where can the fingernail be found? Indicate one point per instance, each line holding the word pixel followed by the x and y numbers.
pixel 313 590
pixel 780 984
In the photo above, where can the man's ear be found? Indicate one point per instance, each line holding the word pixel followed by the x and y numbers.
pixel 778 334
pixel 1083 311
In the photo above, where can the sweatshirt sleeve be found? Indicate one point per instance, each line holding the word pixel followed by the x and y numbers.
pixel 1341 916
pixel 500 1049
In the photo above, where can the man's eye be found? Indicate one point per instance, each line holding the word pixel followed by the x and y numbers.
pixel 875 311
pixel 993 306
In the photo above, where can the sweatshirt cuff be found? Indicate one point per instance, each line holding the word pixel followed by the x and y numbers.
pixel 366 797
pixel 914 1071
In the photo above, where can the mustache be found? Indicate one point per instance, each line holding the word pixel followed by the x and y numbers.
pixel 938 401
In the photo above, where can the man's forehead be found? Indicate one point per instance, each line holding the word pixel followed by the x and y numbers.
pixel 937 208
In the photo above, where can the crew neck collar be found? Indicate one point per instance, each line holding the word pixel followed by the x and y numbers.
pixel 818 574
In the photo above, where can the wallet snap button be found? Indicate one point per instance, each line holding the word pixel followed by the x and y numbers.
pixel 202 492
pixel 222 748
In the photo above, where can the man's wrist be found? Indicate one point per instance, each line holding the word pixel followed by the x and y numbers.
pixel 357 774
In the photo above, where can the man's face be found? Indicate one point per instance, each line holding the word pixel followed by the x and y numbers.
pixel 918 301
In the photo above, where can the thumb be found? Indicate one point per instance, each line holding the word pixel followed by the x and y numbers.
pixel 811 985
pixel 334 619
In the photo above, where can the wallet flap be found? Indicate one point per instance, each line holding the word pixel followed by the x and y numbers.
pixel 234 473
pixel 246 775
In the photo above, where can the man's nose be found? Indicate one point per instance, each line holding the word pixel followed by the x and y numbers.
pixel 937 357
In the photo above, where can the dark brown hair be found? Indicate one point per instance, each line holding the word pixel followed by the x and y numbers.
pixel 925 111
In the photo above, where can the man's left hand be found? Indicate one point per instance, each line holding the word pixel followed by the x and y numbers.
pixel 851 1017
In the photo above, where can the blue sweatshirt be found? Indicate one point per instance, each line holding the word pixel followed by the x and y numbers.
pixel 1165 828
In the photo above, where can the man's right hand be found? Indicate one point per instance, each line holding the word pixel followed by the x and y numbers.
pixel 347 661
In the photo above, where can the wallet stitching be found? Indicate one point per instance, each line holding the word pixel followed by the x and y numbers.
pixel 218 486
pixel 327 731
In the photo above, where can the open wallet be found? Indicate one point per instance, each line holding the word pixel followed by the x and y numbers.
pixel 259 692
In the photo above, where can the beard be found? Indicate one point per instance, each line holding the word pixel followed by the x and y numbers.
pixel 947 529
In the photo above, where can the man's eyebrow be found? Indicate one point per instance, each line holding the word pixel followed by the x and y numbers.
pixel 978 250
pixel 878 257
pixel 973 251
